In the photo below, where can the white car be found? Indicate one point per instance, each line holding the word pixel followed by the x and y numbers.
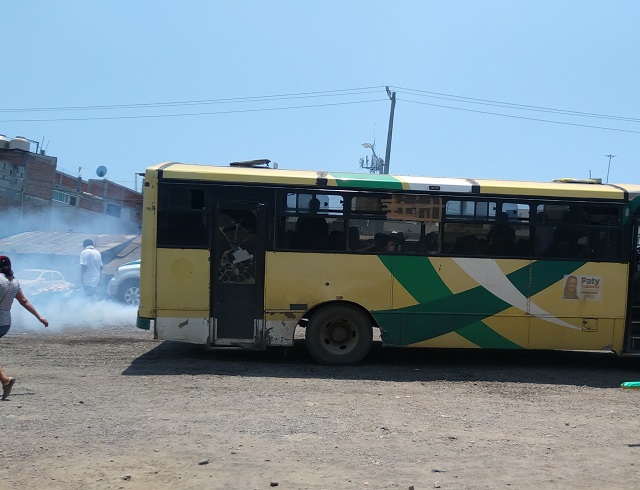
pixel 125 284
pixel 36 281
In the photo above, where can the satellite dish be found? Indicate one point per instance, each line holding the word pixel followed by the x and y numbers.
pixel 102 171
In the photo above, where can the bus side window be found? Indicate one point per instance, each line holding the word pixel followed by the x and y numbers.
pixel 182 217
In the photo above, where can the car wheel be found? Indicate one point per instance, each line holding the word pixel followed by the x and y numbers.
pixel 129 292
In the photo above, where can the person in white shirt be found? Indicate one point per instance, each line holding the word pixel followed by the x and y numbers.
pixel 90 267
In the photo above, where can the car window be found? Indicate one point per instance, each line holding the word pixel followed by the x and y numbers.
pixel 28 275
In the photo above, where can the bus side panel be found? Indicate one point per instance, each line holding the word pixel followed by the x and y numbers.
pixel 298 281
pixel 588 319
pixel 460 303
pixel 182 295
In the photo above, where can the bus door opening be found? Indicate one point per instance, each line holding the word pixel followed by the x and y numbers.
pixel 237 274
pixel 633 322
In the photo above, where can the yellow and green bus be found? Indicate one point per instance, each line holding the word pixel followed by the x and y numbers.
pixel 239 256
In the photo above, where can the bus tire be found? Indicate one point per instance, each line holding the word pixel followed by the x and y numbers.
pixel 339 335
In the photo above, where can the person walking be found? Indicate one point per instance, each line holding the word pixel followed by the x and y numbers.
pixel 90 267
pixel 10 289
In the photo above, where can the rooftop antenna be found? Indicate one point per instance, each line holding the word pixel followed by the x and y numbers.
pixel 376 165
pixel 609 167
pixel 37 143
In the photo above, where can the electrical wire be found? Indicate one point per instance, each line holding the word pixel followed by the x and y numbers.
pixel 350 92
pixel 203 113
pixel 523 117
pixel 258 98
pixel 511 105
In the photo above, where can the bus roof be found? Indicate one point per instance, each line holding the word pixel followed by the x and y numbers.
pixel 361 181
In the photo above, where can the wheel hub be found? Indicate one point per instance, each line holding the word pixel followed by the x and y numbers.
pixel 339 332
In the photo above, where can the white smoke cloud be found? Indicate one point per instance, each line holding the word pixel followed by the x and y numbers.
pixel 66 309
pixel 73 310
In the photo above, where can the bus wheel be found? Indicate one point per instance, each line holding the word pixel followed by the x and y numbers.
pixel 339 335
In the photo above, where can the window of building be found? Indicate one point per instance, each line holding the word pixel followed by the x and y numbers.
pixel 114 210
pixel 63 197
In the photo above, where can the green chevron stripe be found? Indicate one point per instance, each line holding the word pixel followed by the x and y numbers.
pixel 439 312
pixel 366 181
pixel 541 274
pixel 485 337
pixel 417 276
pixel 429 320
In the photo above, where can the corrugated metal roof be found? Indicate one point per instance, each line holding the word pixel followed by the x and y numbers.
pixel 129 253
pixel 115 249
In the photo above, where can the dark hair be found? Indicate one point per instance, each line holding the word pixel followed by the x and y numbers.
pixel 5 267
pixel 87 242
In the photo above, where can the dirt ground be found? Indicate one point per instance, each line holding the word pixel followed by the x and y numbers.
pixel 113 408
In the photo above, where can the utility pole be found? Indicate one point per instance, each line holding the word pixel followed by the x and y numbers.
pixel 609 167
pixel 387 155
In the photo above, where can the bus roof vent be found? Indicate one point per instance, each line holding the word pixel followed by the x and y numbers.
pixel 264 163
pixel 579 181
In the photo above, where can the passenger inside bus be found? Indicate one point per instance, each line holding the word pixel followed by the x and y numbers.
pixel 570 239
pixel 502 237
pixel 428 244
pixel 357 245
pixel 380 241
pixel 312 232
pixel 398 239
pixel 391 245
pixel 543 236
pixel 336 240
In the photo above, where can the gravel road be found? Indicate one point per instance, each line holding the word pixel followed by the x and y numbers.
pixel 110 407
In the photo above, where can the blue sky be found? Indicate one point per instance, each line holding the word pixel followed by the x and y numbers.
pixel 303 84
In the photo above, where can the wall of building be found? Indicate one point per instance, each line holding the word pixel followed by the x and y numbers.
pixel 34 195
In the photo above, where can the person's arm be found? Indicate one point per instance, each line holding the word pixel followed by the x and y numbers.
pixel 83 267
pixel 29 307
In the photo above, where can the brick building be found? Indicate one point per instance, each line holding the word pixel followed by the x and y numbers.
pixel 35 196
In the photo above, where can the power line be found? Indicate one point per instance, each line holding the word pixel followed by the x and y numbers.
pixel 350 92
pixel 324 93
pixel 204 113
pixel 496 103
pixel 258 98
pixel 523 117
